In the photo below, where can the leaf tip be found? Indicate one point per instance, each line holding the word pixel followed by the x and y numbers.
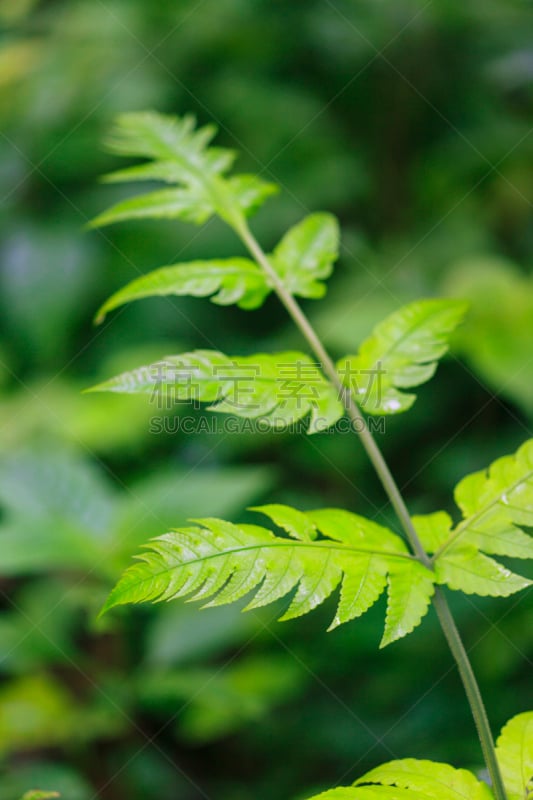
pixel 94 223
pixel 108 605
pixel 386 640
pixel 91 389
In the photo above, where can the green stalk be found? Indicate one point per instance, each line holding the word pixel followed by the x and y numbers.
pixel 390 486
pixel 471 688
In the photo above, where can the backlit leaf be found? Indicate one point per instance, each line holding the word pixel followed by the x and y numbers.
pixel 411 587
pixel 219 562
pixel 494 503
pixel 370 793
pixel 402 352
pixel 514 750
pixel 232 280
pixel 306 254
pixel 279 389
pixel 179 154
pixel 434 780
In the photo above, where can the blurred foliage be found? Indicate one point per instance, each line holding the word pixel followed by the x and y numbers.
pixel 410 121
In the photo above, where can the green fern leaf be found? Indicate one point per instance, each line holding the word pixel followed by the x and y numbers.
pixel 494 502
pixel 514 750
pixel 370 793
pixel 218 562
pixel 147 134
pixel 279 389
pixel 411 587
pixel 402 352
pixel 165 171
pixel 250 192
pixel 433 530
pixel 296 523
pixel 459 562
pixel 465 569
pixel 179 154
pixel 232 280
pixel 306 254
pixel 189 205
pixel 435 781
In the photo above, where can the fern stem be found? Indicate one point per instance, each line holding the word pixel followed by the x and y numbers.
pixel 328 367
pixel 473 694
pixel 390 486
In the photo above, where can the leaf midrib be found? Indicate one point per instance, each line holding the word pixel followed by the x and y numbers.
pixel 218 267
pixel 264 545
pixel 404 336
pixel 322 383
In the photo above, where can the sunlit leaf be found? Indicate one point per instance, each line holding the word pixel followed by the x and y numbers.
pixel 514 750
pixel 233 280
pixel 296 523
pixel 494 503
pixel 250 192
pixel 179 154
pixel 411 587
pixel 402 352
pixel 465 569
pixel 305 256
pixel 435 781
pixel 185 204
pixel 433 529
pixel 221 562
pixel 370 793
pixel 279 389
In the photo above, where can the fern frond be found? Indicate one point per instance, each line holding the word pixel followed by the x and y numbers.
pixel 231 280
pixel 188 204
pixel 369 793
pixel 494 502
pixel 411 778
pixel 465 569
pixel 219 562
pixel 434 780
pixel 514 750
pixel 148 134
pixel 414 779
pixel 305 256
pixel 411 587
pixel 179 154
pixel 402 352
pixel 461 564
pixel 279 389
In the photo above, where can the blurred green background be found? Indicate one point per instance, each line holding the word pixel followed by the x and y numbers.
pixel 411 120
